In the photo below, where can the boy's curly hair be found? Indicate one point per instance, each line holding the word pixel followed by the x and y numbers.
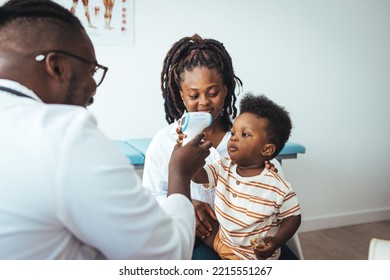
pixel 279 125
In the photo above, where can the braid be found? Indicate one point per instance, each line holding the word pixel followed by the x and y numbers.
pixel 190 52
pixel 36 9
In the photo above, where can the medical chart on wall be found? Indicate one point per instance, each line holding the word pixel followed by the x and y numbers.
pixel 107 22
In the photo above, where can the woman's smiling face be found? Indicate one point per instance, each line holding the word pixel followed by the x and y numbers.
pixel 202 90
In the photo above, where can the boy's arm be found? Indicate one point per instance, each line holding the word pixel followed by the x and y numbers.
pixel 287 229
pixel 201 177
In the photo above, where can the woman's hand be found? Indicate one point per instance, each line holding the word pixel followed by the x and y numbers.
pixel 180 134
pixel 204 215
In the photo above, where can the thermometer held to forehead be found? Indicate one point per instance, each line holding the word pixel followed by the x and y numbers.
pixel 193 123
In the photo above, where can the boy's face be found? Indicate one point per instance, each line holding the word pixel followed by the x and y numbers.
pixel 248 143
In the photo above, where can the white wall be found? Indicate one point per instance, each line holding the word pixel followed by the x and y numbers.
pixel 327 62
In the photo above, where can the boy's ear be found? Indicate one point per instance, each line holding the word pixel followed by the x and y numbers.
pixel 268 150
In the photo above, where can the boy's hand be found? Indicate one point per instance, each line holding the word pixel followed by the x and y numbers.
pixel 267 248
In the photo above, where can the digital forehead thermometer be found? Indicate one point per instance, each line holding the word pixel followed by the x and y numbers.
pixel 193 123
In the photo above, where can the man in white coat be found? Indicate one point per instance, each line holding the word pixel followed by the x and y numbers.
pixel 66 190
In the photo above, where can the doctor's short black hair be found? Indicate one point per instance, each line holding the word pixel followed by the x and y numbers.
pixel 279 123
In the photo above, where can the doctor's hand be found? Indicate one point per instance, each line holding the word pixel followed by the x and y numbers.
pixel 185 163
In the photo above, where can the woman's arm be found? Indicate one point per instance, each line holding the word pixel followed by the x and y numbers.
pixel 155 172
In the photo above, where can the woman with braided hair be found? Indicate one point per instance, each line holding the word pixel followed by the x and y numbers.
pixel 191 54
pixel 197 75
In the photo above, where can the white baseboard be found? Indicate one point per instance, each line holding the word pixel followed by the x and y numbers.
pixel 344 219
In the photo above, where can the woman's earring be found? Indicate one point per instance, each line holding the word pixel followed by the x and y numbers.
pixel 223 110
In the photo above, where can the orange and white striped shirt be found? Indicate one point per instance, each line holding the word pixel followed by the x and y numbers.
pixel 249 207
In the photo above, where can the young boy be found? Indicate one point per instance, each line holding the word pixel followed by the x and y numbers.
pixel 257 210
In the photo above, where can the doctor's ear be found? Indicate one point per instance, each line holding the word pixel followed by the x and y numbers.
pixel 54 66
pixel 57 70
pixel 268 150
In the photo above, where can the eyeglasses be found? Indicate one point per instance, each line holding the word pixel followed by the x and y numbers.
pixel 99 71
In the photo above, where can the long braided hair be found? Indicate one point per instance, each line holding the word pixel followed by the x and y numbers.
pixel 186 54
